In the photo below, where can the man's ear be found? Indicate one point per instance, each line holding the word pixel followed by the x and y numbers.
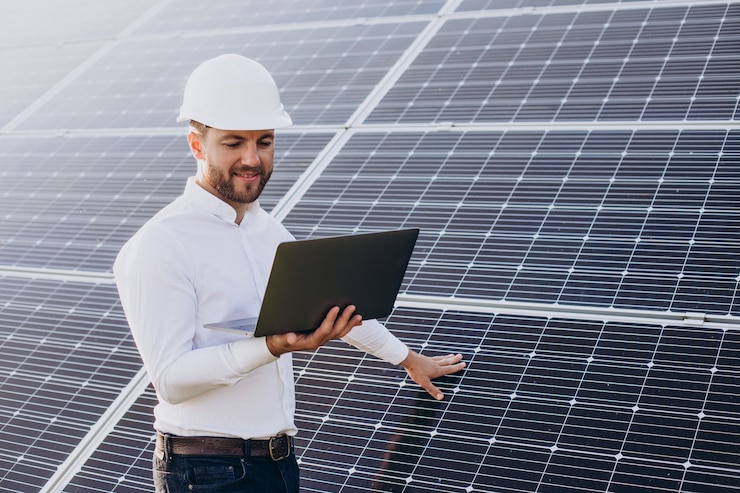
pixel 195 145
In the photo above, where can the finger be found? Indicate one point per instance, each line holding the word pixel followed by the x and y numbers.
pixel 433 390
pixel 448 359
pixel 336 325
pixel 351 324
pixel 281 343
pixel 347 314
pixel 450 369
pixel 329 320
pixel 346 322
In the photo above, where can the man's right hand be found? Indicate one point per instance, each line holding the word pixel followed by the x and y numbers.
pixel 334 326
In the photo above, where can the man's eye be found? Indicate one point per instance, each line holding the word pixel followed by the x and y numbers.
pixel 266 143
pixel 232 145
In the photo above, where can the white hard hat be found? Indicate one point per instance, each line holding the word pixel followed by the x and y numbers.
pixel 231 92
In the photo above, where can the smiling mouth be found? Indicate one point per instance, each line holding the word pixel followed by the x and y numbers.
pixel 250 175
pixel 247 177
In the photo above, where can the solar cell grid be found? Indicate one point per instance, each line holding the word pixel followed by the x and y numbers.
pixel 123 462
pixel 38 23
pixel 324 73
pixel 524 4
pixel 607 66
pixel 30 72
pixel 718 481
pixel 517 214
pixel 71 195
pixel 66 357
pixel 192 16
pixel 389 437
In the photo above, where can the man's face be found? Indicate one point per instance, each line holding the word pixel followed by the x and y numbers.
pixel 236 164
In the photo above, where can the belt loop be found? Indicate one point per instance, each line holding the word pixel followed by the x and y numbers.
pixel 167 446
pixel 247 449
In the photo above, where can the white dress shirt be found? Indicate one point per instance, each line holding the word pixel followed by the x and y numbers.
pixel 189 265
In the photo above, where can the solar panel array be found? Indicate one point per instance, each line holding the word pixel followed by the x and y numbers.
pixel 574 168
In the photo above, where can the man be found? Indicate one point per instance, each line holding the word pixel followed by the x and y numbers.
pixel 224 419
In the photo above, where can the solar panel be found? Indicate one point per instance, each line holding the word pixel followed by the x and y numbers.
pixel 123 461
pixel 138 83
pixel 571 165
pixel 195 16
pixel 548 395
pixel 637 64
pixel 549 224
pixel 90 194
pixel 66 356
pixel 34 70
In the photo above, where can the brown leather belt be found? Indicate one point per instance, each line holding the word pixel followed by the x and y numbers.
pixel 276 448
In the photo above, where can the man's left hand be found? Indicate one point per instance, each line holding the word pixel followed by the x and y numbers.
pixel 423 369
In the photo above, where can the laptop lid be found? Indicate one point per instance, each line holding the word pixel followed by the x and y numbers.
pixel 309 277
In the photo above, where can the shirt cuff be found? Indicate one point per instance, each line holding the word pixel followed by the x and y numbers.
pixel 394 351
pixel 249 354
pixel 374 338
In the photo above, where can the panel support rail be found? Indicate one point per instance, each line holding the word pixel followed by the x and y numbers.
pixel 578 312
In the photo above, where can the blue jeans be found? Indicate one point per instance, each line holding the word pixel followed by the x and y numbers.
pixel 183 473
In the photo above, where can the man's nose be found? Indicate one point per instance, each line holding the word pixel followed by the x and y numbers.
pixel 249 155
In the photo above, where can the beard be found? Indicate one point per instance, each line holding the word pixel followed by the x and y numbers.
pixel 224 184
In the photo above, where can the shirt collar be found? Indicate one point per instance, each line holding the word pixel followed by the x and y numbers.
pixel 206 201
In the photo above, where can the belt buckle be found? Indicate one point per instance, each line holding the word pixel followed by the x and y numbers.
pixel 287 448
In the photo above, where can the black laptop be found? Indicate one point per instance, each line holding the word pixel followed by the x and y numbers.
pixel 309 277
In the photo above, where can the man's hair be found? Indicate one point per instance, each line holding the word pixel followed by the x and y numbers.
pixel 199 128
